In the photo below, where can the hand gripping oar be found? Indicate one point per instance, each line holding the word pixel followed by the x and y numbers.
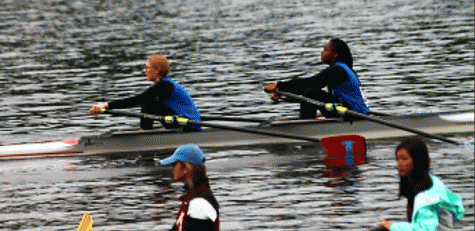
pixel 185 121
pixel 343 110
pixel 86 223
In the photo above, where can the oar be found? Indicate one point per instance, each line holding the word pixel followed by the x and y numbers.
pixel 238 119
pixel 86 223
pixel 379 228
pixel 185 121
pixel 343 110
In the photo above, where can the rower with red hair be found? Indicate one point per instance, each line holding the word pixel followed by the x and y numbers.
pixel 164 97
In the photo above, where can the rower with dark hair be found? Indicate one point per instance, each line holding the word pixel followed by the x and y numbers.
pixel 340 79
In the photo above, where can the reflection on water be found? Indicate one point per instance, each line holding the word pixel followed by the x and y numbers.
pixel 59 57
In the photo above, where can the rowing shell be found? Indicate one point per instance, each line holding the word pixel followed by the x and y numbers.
pixel 160 141
pixel 30 150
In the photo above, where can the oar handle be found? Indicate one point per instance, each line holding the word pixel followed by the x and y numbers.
pixel 131 114
pixel 343 110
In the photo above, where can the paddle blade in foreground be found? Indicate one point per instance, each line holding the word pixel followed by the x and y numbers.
pixel 86 223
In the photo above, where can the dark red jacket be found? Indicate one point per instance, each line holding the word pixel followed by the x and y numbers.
pixel 187 223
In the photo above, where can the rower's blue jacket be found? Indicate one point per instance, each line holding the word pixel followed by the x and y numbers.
pixel 181 103
pixel 349 91
pixel 342 83
pixel 434 209
pixel 167 97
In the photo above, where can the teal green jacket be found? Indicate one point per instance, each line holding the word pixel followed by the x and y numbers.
pixel 434 209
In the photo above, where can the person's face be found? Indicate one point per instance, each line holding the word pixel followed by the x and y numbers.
pixel 179 171
pixel 328 56
pixel 405 164
pixel 152 74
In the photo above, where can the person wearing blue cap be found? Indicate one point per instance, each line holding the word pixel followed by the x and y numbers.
pixel 199 209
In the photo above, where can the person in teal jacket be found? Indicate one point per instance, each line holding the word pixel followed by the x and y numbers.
pixel 430 206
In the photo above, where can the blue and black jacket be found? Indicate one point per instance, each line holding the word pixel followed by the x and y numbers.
pixel 164 98
pixel 341 81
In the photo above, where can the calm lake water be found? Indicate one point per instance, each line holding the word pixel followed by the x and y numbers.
pixel 60 57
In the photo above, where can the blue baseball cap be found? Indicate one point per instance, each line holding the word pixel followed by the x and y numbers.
pixel 188 153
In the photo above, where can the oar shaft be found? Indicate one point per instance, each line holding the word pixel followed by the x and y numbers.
pixel 185 121
pixel 343 110
pixel 229 118
pixel 401 127
pixel 255 131
pixel 379 228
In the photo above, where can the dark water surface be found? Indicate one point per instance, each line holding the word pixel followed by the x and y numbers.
pixel 258 189
pixel 59 57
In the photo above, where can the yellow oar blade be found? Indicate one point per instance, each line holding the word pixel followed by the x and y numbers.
pixel 86 223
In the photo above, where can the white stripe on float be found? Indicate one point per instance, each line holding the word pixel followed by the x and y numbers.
pixel 462 117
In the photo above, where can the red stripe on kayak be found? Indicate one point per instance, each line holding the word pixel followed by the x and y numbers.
pixel 71 141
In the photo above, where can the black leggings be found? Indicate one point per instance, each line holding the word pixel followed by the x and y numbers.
pixel 309 111
pixel 157 109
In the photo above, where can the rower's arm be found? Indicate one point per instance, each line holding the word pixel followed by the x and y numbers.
pixel 330 76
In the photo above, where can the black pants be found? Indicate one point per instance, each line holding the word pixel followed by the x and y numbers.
pixel 157 109
pixel 309 111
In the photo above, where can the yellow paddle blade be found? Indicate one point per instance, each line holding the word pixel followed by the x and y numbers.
pixel 86 223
